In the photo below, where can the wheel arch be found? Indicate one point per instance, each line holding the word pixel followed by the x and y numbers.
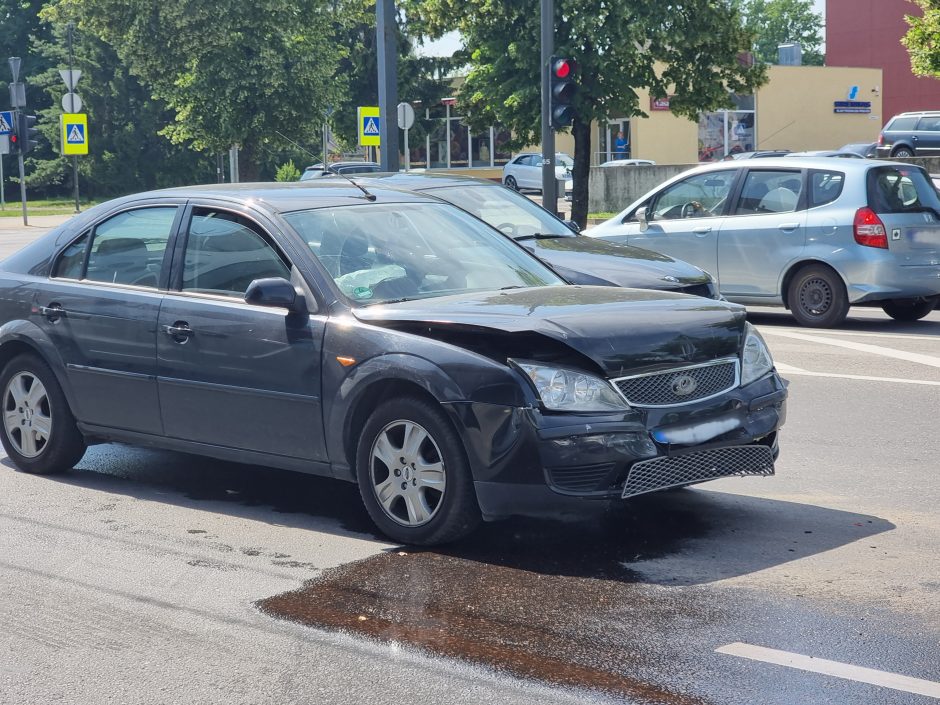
pixel 796 268
pixel 18 337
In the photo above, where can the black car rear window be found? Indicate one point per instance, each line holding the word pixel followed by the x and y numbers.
pixel 901 189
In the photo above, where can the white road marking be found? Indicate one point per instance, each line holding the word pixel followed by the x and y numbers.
pixel 785 369
pixel 838 669
pixel 918 358
pixel 851 333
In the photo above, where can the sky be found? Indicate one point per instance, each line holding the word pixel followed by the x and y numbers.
pixel 449 43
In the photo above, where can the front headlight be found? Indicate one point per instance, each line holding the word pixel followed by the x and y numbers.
pixel 755 358
pixel 563 389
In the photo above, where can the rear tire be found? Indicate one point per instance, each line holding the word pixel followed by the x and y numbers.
pixel 511 183
pixel 38 431
pixel 909 309
pixel 413 474
pixel 903 153
pixel 817 297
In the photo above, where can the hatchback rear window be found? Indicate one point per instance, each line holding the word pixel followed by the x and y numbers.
pixel 902 123
pixel 901 189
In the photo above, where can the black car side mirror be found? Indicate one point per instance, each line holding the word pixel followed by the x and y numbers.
pixel 573 226
pixel 276 292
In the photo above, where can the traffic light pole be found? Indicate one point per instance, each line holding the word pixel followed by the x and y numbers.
pixel 23 187
pixel 549 184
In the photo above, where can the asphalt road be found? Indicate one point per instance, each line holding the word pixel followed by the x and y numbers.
pixel 152 577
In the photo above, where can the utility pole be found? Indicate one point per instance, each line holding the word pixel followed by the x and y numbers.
pixel 18 102
pixel 549 184
pixel 386 35
pixel 72 109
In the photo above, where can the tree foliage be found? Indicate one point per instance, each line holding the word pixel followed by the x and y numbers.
pixel 232 72
pixel 690 51
pixel 776 22
pixel 923 39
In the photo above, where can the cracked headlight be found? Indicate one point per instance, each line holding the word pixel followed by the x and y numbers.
pixel 563 389
pixel 755 358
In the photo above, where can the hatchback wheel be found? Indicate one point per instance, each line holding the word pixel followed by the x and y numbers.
pixel 902 152
pixel 39 431
pixel 909 309
pixel 511 183
pixel 817 297
pixel 413 474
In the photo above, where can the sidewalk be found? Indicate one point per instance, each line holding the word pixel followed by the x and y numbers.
pixel 35 221
pixel 14 235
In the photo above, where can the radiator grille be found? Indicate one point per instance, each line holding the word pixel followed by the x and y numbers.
pixel 680 385
pixel 664 472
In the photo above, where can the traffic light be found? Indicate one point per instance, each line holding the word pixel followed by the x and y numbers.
pixel 26 136
pixel 563 90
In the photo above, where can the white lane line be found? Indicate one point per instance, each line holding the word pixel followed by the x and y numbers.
pixel 851 333
pixel 838 669
pixel 918 358
pixel 788 370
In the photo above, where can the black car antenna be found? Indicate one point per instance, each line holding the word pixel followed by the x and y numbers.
pixel 327 167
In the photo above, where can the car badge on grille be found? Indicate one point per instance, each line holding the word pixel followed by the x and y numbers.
pixel 671 279
pixel 684 385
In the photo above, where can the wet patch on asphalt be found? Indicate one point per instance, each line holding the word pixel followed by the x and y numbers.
pixel 524 597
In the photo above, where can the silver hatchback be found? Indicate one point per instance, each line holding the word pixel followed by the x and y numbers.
pixel 816 236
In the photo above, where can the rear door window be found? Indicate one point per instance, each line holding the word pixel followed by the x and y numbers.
pixel 770 192
pixel 825 187
pixel 929 124
pixel 130 247
pixel 901 189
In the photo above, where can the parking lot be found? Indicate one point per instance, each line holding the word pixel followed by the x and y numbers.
pixel 152 577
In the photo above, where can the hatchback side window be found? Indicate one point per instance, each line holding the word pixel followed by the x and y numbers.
pixel 699 196
pixel 129 248
pixel 226 252
pixel 825 187
pixel 902 124
pixel 929 124
pixel 770 192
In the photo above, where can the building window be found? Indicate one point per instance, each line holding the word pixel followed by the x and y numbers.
pixel 727 131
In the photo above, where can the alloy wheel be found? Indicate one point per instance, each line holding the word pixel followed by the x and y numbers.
pixel 407 473
pixel 27 417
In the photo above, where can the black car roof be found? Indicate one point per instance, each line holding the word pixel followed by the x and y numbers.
pixel 284 197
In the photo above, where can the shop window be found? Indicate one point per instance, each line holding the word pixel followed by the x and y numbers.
pixel 459 148
pixel 501 154
pixel 480 149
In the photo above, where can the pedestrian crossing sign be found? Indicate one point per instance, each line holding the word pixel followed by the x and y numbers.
pixel 370 124
pixel 74 133
pixel 6 122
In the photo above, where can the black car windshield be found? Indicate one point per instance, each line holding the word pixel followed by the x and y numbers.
pixel 506 210
pixel 384 252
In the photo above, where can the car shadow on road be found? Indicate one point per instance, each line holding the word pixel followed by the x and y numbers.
pixel 689 536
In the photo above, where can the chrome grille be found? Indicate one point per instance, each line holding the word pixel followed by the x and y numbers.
pixel 680 385
pixel 665 472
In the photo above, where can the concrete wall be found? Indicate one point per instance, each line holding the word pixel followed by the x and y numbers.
pixel 795 108
pixel 614 188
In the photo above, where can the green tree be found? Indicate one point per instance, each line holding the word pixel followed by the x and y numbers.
pixel 923 39
pixel 776 22
pixel 690 51
pixel 232 72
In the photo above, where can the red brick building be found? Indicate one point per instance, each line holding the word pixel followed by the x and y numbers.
pixel 868 33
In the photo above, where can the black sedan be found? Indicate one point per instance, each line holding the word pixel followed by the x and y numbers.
pixel 579 259
pixel 380 337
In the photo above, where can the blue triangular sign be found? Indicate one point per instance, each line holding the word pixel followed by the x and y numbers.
pixel 4 125
pixel 372 127
pixel 76 135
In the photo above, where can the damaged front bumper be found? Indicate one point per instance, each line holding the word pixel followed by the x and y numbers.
pixel 559 458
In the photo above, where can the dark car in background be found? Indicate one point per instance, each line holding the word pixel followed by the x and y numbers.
pixel 317 171
pixel 385 338
pixel 911 135
pixel 580 259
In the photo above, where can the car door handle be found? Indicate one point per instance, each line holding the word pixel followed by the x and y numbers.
pixel 702 230
pixel 53 312
pixel 788 227
pixel 179 331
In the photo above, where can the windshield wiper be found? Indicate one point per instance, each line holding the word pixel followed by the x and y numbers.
pixel 542 236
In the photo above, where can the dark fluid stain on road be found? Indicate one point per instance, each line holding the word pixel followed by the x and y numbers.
pixel 523 597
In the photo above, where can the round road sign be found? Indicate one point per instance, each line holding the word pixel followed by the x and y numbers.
pixel 406 116
pixel 71 103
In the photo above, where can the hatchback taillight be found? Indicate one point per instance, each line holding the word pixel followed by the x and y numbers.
pixel 869 230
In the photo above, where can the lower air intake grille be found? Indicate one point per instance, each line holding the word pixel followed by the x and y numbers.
pixel 580 479
pixel 662 473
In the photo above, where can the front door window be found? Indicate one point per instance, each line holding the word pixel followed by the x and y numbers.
pixel 700 196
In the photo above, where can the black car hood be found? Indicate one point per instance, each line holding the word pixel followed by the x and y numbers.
pixel 621 265
pixel 620 330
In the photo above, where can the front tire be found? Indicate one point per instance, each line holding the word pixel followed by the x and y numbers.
pixel 39 432
pixel 817 297
pixel 413 474
pixel 909 309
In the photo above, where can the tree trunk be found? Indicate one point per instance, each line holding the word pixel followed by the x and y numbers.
pixel 248 167
pixel 582 169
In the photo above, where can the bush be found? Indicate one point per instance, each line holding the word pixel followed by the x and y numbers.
pixel 287 172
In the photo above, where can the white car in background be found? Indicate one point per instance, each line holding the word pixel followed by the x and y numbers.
pixel 629 162
pixel 524 171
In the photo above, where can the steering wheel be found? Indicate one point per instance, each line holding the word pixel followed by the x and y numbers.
pixel 510 229
pixel 691 209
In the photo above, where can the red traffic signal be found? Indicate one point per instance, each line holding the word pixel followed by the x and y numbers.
pixel 563 89
pixel 563 68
